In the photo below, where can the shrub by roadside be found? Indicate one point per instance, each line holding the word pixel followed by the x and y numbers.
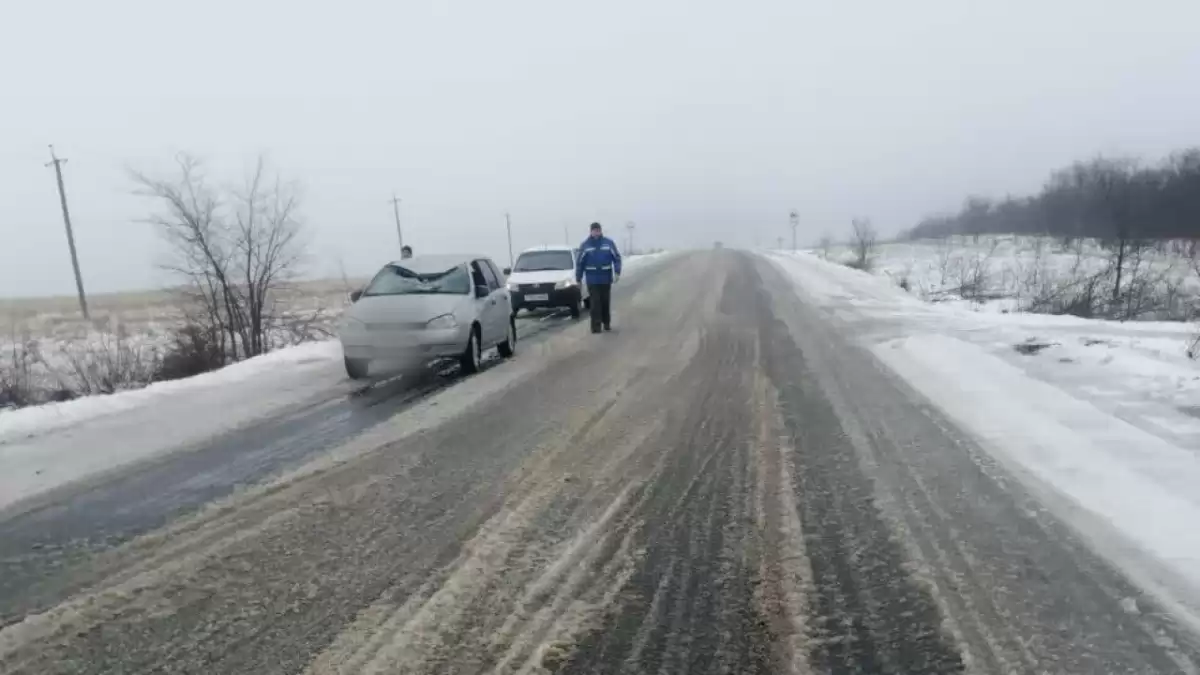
pixel 111 358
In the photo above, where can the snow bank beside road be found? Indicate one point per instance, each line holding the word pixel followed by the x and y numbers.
pixel 1097 415
pixel 51 445
pixel 634 263
pixel 36 420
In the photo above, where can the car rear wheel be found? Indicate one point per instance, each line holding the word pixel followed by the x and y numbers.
pixel 356 368
pixel 471 358
pixel 508 348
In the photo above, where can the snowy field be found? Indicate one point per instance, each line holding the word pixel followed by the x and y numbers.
pixel 1099 418
pixel 45 446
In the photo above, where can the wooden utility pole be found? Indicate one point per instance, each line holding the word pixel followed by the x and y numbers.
pixel 794 220
pixel 630 226
pixel 62 198
pixel 396 210
pixel 508 226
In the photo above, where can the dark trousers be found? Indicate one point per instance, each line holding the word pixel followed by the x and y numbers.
pixel 601 295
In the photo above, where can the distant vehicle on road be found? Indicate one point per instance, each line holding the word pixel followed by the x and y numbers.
pixel 544 277
pixel 426 308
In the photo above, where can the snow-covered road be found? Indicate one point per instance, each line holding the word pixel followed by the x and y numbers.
pixel 1097 417
pixel 729 482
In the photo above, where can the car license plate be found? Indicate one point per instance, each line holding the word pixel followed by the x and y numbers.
pixel 538 297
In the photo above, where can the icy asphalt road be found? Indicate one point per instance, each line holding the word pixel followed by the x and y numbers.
pixel 725 484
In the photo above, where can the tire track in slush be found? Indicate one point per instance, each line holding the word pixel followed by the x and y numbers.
pixel 691 604
pixel 868 615
pixel 676 497
pixel 261 580
pixel 48 549
pixel 785 573
pixel 1018 589
pixel 544 570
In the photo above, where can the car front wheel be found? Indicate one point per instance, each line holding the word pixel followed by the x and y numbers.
pixel 471 358
pixel 508 348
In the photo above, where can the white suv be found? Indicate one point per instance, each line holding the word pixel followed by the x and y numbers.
pixel 544 277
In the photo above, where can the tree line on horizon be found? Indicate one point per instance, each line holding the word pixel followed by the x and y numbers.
pixel 1111 199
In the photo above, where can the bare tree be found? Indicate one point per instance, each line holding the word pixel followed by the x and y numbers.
pixel 825 244
pixel 974 273
pixel 234 249
pixel 864 242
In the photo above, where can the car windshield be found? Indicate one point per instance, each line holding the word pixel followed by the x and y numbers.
pixel 540 261
pixel 398 280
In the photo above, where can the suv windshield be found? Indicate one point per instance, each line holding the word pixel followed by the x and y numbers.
pixel 538 261
pixel 397 280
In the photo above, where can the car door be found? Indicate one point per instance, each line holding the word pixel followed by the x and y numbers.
pixel 504 299
pixel 488 307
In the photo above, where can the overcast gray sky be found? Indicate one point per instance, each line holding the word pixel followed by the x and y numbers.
pixel 699 120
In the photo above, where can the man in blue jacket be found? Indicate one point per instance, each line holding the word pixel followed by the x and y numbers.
pixel 600 263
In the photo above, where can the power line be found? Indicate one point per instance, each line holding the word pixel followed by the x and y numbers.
pixel 62 198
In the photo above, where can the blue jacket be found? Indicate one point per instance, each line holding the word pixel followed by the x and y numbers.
pixel 599 260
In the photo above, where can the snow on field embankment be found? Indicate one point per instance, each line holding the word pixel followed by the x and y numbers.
pixel 1102 418
pixel 24 423
pixel 1044 275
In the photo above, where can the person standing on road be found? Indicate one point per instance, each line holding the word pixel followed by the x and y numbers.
pixel 600 263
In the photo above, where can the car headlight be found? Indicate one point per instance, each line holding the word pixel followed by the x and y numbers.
pixel 442 322
pixel 565 283
pixel 512 286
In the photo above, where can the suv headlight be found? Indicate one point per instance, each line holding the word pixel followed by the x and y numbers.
pixel 442 322
pixel 565 283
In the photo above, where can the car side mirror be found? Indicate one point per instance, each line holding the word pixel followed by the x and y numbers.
pixel 482 291
pixel 355 295
pixel 507 271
